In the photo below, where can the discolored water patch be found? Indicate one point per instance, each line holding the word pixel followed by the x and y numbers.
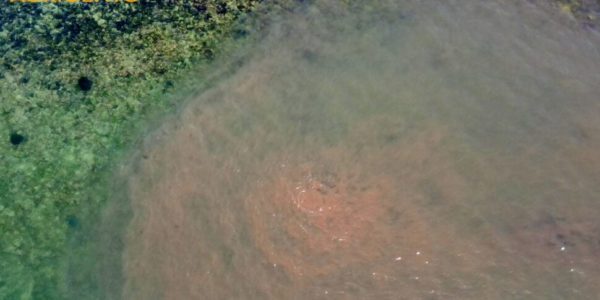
pixel 377 157
pixel 319 217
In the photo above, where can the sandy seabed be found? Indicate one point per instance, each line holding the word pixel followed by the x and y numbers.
pixel 389 156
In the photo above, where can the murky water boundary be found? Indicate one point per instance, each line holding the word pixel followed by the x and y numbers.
pixel 424 150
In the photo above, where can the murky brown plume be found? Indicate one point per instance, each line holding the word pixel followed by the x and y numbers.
pixel 426 150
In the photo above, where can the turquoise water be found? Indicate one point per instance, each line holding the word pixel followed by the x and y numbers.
pixel 418 151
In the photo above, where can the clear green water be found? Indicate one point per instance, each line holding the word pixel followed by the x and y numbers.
pixel 419 151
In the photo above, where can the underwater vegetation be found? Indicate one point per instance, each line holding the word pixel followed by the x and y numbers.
pixel 76 84
pixel 586 11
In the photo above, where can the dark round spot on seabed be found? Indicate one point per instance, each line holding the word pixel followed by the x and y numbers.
pixel 73 222
pixel 209 54
pixel 222 8
pixel 84 83
pixel 17 139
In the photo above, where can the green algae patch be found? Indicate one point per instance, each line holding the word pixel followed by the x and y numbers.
pixel 76 83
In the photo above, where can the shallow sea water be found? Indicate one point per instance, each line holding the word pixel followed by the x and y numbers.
pixel 422 150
